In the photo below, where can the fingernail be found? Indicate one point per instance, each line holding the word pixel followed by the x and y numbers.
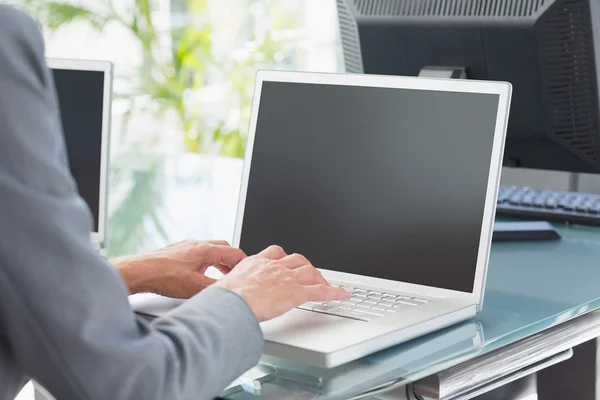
pixel 348 290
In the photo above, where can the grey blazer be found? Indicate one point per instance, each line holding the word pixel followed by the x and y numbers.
pixel 64 316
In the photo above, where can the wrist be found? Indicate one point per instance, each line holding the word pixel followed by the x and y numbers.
pixel 134 272
pixel 239 292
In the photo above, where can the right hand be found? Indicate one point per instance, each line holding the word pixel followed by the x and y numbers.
pixel 273 283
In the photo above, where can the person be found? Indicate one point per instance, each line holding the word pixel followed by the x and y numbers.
pixel 65 320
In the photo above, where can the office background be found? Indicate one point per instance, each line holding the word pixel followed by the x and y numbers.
pixel 183 86
pixel 177 144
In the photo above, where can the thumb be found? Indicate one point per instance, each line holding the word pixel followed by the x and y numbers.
pixel 218 255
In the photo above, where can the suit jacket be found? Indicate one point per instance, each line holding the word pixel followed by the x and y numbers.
pixel 64 316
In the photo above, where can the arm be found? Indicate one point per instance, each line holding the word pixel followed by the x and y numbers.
pixel 132 274
pixel 63 310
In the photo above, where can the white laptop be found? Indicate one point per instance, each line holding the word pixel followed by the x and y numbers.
pixel 84 94
pixel 388 185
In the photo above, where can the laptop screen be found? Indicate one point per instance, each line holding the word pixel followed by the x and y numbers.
pixel 81 96
pixel 387 183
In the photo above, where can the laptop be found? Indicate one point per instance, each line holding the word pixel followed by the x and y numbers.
pixel 84 94
pixel 388 185
pixel 377 370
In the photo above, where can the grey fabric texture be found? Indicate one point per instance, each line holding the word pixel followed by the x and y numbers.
pixel 65 320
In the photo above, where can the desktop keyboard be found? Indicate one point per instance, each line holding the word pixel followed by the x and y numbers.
pixel 550 205
pixel 366 305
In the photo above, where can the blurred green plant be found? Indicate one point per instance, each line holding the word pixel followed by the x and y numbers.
pixel 167 83
pixel 136 219
pixel 171 72
pixel 164 78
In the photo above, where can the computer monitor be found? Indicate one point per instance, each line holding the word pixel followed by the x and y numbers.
pixel 545 48
pixel 84 96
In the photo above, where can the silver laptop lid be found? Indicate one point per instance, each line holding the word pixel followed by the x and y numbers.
pixel 385 177
pixel 84 94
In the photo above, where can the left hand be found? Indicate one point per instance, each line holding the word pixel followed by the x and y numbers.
pixel 177 270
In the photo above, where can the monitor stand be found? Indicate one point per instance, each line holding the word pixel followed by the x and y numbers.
pixel 443 72
pixel 503 231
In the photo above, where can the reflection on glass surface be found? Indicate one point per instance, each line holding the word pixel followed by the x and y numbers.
pixel 378 369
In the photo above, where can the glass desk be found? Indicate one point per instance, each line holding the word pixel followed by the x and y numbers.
pixel 536 296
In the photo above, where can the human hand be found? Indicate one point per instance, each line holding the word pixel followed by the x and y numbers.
pixel 177 270
pixel 273 283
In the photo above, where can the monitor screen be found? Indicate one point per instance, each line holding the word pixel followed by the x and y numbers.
pixel 81 96
pixel 387 183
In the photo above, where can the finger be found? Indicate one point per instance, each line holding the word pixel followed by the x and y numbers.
pixel 223 255
pixel 273 253
pixel 309 275
pixel 224 269
pixel 294 261
pixel 325 293
pixel 219 242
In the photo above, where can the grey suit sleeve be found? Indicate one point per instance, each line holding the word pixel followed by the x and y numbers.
pixel 63 310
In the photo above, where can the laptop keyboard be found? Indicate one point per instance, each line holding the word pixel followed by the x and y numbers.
pixel 366 305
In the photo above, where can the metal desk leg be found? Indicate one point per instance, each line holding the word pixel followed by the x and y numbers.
pixel 573 379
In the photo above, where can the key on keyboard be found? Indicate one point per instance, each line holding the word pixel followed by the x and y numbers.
pixel 559 206
pixel 366 305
